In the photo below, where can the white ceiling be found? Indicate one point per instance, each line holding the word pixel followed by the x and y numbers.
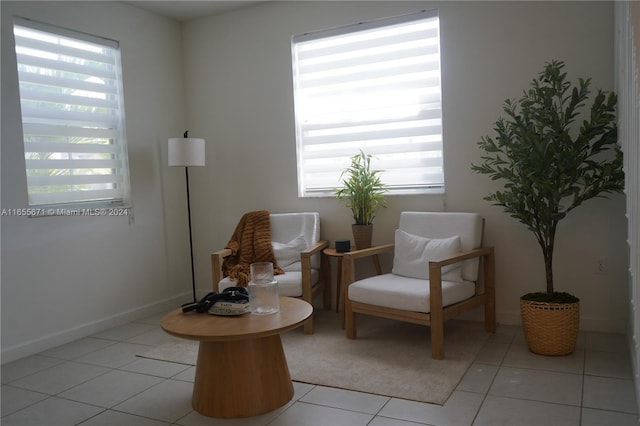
pixel 185 10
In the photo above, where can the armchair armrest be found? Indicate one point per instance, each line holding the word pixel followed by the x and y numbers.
pixel 221 253
pixel 357 254
pixel 348 269
pixel 217 258
pixel 314 249
pixel 305 261
pixel 479 252
pixel 486 254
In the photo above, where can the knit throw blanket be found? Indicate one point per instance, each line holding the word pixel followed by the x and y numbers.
pixel 250 243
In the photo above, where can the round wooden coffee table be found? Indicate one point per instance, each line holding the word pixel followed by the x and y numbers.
pixel 241 369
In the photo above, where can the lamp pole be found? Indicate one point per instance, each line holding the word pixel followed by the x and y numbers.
pixel 187 152
pixel 193 274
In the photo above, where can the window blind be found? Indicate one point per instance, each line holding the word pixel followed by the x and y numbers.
pixel 72 116
pixel 372 86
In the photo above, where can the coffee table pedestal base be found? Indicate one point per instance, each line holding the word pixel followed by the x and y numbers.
pixel 241 378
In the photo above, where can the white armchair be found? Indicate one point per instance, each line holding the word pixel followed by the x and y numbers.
pixel 440 270
pixel 298 251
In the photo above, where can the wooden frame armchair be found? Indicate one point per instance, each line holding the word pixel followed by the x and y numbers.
pixel 457 282
pixel 298 251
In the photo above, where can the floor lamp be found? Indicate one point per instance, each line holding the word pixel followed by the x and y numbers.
pixel 185 152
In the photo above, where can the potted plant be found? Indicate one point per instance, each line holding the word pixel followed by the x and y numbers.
pixel 551 163
pixel 363 193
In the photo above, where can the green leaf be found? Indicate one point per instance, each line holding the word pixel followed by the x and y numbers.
pixel 548 164
pixel 363 190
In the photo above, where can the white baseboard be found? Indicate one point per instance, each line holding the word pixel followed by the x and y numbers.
pixel 43 343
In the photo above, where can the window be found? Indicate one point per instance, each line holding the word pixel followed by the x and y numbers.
pixel 72 117
pixel 373 86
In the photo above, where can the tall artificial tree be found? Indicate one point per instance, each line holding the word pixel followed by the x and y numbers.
pixel 551 155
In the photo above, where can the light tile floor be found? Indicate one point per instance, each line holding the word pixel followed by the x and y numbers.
pixel 98 380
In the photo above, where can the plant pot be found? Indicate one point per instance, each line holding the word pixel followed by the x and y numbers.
pixel 550 328
pixel 362 235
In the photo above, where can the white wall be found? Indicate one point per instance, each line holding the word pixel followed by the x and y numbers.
pixel 238 72
pixel 66 277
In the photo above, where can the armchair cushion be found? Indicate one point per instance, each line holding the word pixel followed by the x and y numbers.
pixel 408 294
pixel 287 227
pixel 445 224
pixel 289 253
pixel 412 254
pixel 288 283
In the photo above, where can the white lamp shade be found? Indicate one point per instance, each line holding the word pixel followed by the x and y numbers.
pixel 186 152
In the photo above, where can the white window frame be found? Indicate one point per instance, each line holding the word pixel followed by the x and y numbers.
pixel 395 114
pixel 73 119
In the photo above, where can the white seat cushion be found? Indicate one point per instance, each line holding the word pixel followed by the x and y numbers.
pixel 289 283
pixel 408 294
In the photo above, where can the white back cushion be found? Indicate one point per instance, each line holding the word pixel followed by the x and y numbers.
pixel 287 232
pixel 287 254
pixel 412 254
pixel 467 226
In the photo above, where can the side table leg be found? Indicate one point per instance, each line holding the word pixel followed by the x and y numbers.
pixel 338 282
pixel 376 264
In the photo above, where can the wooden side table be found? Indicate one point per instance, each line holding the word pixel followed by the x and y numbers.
pixel 241 369
pixel 331 252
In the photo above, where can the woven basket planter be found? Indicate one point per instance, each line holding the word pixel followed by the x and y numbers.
pixel 362 235
pixel 550 328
